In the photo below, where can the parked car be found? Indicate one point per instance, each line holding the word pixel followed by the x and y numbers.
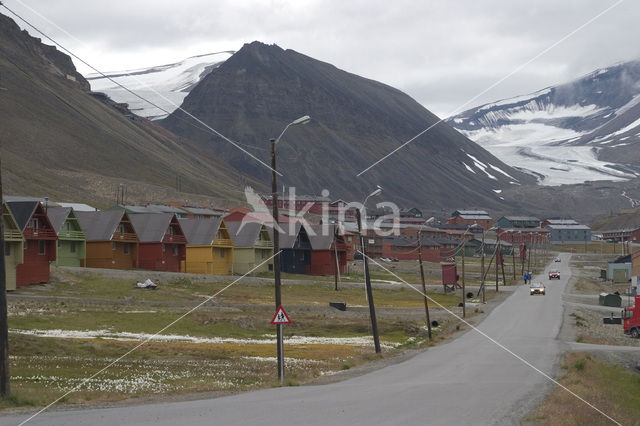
pixel 554 275
pixel 536 288
pixel 557 259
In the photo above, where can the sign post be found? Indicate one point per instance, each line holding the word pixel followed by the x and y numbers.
pixel 280 318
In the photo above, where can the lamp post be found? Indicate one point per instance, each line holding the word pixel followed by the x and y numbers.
pixel 276 241
pixel 424 286
pixel 367 278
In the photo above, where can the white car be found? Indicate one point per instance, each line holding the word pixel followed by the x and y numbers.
pixel 536 288
pixel 557 259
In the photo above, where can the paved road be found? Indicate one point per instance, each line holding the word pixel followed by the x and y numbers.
pixel 467 381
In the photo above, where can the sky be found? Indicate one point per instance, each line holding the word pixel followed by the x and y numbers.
pixel 447 55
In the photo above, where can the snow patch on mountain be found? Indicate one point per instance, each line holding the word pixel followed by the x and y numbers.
pixel 166 86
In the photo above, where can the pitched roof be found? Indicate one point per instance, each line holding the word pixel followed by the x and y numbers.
pixel 244 234
pixel 522 218
pixel 200 232
pixel 161 208
pixel 57 216
pixel 100 226
pixel 151 227
pixel 470 212
pixel 78 207
pixel 22 211
pixel 201 211
pixel 322 240
pixel 576 226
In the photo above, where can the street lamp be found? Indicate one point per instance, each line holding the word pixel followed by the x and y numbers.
pixel 367 278
pixel 276 241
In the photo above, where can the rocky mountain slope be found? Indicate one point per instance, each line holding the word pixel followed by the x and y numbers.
pixel 164 85
pixel 355 122
pixel 584 130
pixel 61 142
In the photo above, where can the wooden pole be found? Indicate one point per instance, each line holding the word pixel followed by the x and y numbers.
pixel 464 290
pixel 4 327
pixel 424 286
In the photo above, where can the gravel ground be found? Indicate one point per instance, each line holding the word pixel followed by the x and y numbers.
pixel 584 322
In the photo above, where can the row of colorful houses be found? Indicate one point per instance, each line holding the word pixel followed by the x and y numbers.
pixel 37 235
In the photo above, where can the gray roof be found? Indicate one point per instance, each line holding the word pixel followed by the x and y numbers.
pixel 470 212
pixel 577 227
pixel 22 211
pixel 320 241
pixel 475 216
pixel 200 232
pixel 562 222
pixel 161 208
pixel 288 240
pixel 58 216
pixel 522 218
pixel 244 234
pixel 201 211
pixel 151 227
pixel 100 226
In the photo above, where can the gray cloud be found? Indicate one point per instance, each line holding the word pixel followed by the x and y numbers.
pixel 440 53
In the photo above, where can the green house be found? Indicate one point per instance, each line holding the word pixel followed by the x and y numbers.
pixel 13 246
pixel 508 222
pixel 72 242
pixel 252 247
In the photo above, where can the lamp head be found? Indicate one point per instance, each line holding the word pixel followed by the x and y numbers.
pixel 302 120
pixel 431 219
pixel 376 192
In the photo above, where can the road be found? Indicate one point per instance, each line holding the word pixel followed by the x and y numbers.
pixel 470 380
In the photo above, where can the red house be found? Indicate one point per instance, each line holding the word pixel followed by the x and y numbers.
pixel 403 248
pixel 325 247
pixel 162 245
pixel 40 242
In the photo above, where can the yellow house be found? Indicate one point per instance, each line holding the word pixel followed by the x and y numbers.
pixel 209 246
pixel 13 246
pixel 252 247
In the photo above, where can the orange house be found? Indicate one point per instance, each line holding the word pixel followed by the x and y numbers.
pixel 112 242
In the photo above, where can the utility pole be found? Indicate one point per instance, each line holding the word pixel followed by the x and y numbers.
pixel 335 249
pixel 482 266
pixel 424 286
pixel 367 279
pixel 464 290
pixel 4 327
pixel 276 259
pixel 497 255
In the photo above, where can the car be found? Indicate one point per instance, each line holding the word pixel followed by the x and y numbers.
pixel 557 259
pixel 554 275
pixel 537 288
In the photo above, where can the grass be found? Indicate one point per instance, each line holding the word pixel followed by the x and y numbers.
pixel 44 368
pixel 611 388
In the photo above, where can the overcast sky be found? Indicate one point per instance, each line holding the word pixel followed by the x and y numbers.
pixel 442 53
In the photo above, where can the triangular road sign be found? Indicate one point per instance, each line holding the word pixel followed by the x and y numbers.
pixel 280 317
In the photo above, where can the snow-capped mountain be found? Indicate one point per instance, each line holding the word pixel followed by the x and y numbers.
pixel 164 85
pixel 584 130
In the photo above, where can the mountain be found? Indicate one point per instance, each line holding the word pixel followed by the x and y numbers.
pixel 60 141
pixel 354 122
pixel 164 85
pixel 584 130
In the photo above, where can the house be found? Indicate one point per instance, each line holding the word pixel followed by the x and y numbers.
pixel 471 217
pixel 162 244
pixel 569 234
pixel 40 242
pixel 518 222
pixel 71 249
pixel 295 257
pixel 328 251
pixel 529 236
pixel 490 246
pixel 404 248
pixel 209 246
pixel 309 203
pixel 201 213
pixel 112 243
pixel 13 246
pixel 558 221
pixel 252 246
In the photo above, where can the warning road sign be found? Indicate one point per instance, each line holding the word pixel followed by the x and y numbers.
pixel 280 317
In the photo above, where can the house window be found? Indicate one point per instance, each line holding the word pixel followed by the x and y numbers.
pixel 33 223
pixel 114 246
pixel 42 247
pixel 7 249
pixel 59 244
pixel 264 254
pixel 126 249
pixel 121 228
pixel 26 245
pixel 72 249
pixel 222 252
pixel 164 248
pixel 67 226
pixel 176 250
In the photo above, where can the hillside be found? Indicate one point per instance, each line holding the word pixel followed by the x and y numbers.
pixel 61 142
pixel 355 122
pixel 584 130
